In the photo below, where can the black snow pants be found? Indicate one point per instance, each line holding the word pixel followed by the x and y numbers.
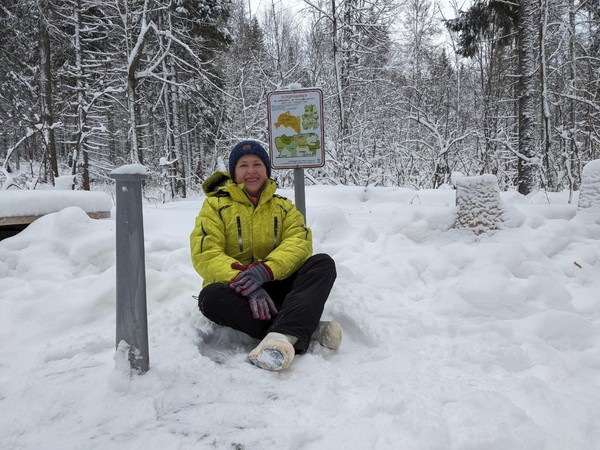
pixel 300 300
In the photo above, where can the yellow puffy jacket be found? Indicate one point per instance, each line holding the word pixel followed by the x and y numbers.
pixel 231 228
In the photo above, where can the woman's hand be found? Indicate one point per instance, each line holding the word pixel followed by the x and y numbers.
pixel 262 305
pixel 251 278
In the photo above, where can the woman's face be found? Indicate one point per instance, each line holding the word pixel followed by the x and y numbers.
pixel 251 171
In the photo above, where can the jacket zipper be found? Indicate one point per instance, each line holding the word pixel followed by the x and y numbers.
pixel 203 237
pixel 239 229
pixel 275 232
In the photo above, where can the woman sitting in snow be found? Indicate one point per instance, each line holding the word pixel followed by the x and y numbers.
pixel 253 251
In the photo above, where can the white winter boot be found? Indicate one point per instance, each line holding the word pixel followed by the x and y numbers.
pixel 328 334
pixel 275 352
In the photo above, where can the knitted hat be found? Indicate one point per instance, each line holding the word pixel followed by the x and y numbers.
pixel 248 148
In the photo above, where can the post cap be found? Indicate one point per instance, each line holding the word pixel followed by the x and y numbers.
pixel 131 171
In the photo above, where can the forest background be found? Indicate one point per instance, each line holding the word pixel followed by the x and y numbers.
pixel 412 92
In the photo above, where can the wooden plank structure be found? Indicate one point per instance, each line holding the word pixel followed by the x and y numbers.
pixel 18 210
pixel 26 220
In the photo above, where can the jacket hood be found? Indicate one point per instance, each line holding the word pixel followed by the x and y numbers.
pixel 222 182
pixel 212 184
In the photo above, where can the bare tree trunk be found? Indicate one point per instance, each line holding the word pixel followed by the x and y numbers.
pixel 181 166
pixel 135 57
pixel 572 153
pixel 112 140
pixel 338 57
pixel 528 159
pixel 47 115
pixel 85 174
pixel 81 113
pixel 551 178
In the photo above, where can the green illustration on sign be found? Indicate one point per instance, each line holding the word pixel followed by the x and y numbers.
pixel 310 118
pixel 305 144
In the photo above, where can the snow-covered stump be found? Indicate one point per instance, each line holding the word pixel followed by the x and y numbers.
pixel 132 316
pixel 479 205
pixel 589 194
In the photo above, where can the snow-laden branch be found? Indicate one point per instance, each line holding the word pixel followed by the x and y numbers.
pixel 30 132
pixel 585 101
pixel 444 144
pixel 320 10
pixel 4 169
pixel 534 160
pixel 136 55
pixel 136 51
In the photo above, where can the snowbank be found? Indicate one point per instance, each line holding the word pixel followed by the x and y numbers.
pixel 451 340
pixel 14 203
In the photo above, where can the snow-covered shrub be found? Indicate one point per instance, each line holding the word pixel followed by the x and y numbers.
pixel 479 205
pixel 589 196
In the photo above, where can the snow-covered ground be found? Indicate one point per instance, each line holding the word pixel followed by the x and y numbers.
pixel 452 341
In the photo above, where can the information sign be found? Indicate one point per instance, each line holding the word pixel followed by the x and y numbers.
pixel 296 128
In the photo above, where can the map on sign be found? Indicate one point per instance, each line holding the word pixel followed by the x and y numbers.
pixel 298 144
pixel 296 128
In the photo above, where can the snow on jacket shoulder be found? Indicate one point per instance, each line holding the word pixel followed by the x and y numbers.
pixel 231 228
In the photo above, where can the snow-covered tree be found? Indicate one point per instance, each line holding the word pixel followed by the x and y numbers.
pixel 505 22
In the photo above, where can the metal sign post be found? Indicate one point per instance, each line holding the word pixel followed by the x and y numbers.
pixel 296 134
pixel 299 191
pixel 132 317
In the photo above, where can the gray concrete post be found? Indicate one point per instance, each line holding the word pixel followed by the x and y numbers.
pixel 299 192
pixel 132 318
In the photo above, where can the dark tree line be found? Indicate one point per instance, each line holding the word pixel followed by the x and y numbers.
pixel 504 87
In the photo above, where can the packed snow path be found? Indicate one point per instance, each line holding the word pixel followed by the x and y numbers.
pixel 452 341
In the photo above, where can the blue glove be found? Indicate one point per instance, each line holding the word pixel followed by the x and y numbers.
pixel 251 278
pixel 261 305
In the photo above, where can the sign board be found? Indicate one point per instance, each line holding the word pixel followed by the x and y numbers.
pixel 296 130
